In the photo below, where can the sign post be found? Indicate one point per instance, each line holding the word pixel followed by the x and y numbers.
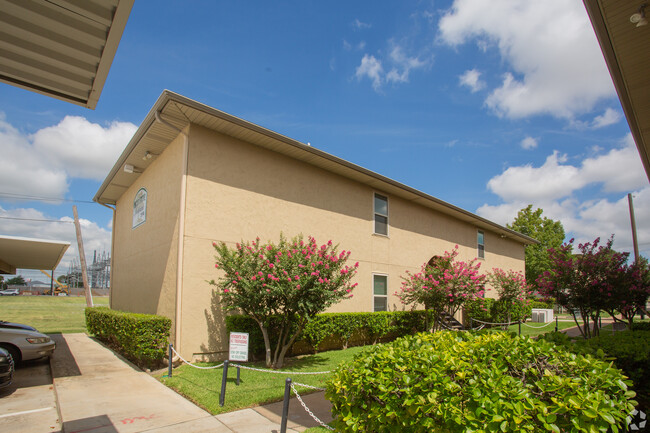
pixel 238 347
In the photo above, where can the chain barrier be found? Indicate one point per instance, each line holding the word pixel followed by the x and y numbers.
pixel 311 414
pixel 192 365
pixel 490 323
pixel 280 371
pixel 538 327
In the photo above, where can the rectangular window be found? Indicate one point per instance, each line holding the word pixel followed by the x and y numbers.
pixel 380 292
pixel 381 215
pixel 481 245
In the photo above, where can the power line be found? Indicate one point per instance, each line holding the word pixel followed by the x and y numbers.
pixel 34 219
pixel 37 198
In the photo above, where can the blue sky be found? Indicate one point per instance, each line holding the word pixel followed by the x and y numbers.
pixel 488 105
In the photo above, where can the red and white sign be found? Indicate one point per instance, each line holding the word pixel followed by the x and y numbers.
pixel 238 347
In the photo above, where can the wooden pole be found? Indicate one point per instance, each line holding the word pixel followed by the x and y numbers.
pixel 82 258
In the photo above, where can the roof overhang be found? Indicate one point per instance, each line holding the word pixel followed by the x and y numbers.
pixel 178 112
pixel 28 253
pixel 627 54
pixel 61 48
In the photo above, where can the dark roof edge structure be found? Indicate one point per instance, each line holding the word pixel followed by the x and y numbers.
pixel 597 18
pixel 30 253
pixel 61 48
pixel 310 155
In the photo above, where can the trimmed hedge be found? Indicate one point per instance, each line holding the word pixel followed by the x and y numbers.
pixel 495 311
pixel 465 382
pixel 141 338
pixel 630 351
pixel 330 331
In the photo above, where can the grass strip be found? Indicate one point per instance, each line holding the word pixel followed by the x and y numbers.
pixel 48 314
pixel 256 388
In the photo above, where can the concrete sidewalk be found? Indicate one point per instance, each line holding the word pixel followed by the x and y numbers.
pixel 99 392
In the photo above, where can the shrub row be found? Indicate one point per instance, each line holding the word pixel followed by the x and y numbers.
pixel 496 311
pixel 630 351
pixel 330 331
pixel 141 338
pixel 465 382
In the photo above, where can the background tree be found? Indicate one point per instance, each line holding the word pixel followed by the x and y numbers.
pixel 443 285
pixel 548 232
pixel 16 281
pixel 291 282
pixel 631 291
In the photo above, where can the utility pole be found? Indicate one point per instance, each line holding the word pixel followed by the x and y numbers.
pixel 82 258
pixel 634 241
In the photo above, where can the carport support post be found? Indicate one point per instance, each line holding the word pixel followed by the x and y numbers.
pixel 224 378
pixel 285 405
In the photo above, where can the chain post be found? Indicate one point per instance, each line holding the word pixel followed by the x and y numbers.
pixel 169 367
pixel 285 405
pixel 237 376
pixel 224 378
pixel 556 324
pixel 519 323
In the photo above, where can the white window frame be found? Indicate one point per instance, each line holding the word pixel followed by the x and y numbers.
pixel 480 253
pixel 375 213
pixel 377 274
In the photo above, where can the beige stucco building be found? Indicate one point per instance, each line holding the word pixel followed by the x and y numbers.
pixel 192 175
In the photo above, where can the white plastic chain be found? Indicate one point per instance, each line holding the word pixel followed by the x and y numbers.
pixel 498 324
pixel 279 371
pixel 192 365
pixel 538 327
pixel 311 414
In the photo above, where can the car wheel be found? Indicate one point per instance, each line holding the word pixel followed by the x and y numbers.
pixel 14 352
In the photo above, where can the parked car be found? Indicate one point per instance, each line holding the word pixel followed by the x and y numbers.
pixel 12 325
pixel 9 292
pixel 6 368
pixel 25 344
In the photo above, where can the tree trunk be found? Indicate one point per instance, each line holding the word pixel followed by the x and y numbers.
pixel 267 344
pixel 278 362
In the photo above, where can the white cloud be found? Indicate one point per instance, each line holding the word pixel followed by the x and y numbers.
pixel 556 66
pixel 95 238
pixel 529 143
pixel 554 187
pixel 81 148
pixel 41 164
pixel 370 67
pixel 359 25
pixel 400 64
pixel 472 79
pixel 618 170
pixel 609 117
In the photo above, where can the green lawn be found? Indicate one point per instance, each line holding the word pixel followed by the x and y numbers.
pixel 256 388
pixel 48 314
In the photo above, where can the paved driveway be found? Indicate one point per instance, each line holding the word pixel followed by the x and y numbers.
pixel 29 404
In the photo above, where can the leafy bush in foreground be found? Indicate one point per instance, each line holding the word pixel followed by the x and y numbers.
pixel 462 382
pixel 141 338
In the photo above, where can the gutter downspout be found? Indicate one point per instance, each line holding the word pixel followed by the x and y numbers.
pixel 181 232
pixel 110 288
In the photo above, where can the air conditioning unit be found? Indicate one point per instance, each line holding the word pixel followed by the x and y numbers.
pixel 542 315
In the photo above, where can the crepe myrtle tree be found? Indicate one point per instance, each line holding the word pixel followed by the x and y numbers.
pixel 292 281
pixel 587 283
pixel 511 288
pixel 443 285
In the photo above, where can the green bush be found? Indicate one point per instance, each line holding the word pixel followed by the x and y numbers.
pixel 141 338
pixel 549 305
pixel 464 382
pixel 630 352
pixel 478 309
pixel 336 330
pixel 641 326
pixel 518 310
